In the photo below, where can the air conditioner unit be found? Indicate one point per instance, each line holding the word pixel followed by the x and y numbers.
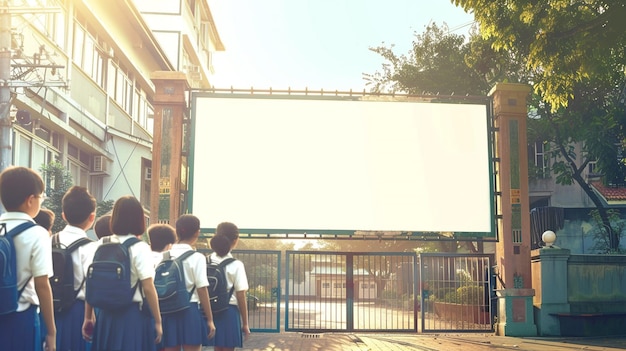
pixel 99 163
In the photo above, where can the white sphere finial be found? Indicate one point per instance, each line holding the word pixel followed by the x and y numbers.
pixel 549 238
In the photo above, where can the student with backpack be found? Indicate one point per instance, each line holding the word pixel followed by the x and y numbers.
pixel 45 218
pixel 183 324
pixel 232 323
pixel 72 252
pixel 118 278
pixel 29 255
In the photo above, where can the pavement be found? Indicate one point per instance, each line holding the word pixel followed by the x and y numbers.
pixel 295 341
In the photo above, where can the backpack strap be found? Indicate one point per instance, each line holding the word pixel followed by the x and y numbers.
pixel 223 265
pixel 19 229
pixel 127 244
pixel 70 248
pixel 180 260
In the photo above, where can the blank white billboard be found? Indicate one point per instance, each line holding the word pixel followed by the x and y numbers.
pixel 285 164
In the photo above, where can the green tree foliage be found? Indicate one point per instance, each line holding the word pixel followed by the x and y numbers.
pixel 58 181
pixel 444 63
pixel 565 42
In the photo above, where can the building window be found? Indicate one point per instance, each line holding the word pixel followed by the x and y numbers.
pixel 539 161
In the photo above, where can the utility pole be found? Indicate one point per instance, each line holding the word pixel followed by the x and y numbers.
pixel 7 83
pixel 6 139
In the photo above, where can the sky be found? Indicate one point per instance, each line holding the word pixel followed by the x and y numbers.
pixel 317 44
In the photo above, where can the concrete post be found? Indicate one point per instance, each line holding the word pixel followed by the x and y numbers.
pixel 550 281
pixel 513 246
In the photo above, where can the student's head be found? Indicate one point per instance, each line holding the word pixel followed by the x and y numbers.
pixel 127 217
pixel 187 227
pixel 229 230
pixel 45 218
pixel 102 227
pixel 162 236
pixel 21 186
pixel 220 244
pixel 79 206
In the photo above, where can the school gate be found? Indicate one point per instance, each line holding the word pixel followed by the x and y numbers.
pixel 319 164
pixel 382 292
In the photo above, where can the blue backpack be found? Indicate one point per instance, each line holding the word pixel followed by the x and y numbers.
pixel 219 294
pixel 108 277
pixel 169 282
pixel 9 293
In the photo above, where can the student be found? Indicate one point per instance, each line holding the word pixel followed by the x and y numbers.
pixel 79 212
pixel 128 328
pixel 21 193
pixel 187 329
pixel 231 324
pixel 162 237
pixel 102 227
pixel 45 218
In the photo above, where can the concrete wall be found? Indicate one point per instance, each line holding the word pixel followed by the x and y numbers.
pixel 576 284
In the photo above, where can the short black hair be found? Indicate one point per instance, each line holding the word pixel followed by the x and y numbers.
pixel 220 244
pixel 17 184
pixel 160 236
pixel 78 204
pixel 128 216
pixel 102 227
pixel 229 230
pixel 45 218
pixel 187 226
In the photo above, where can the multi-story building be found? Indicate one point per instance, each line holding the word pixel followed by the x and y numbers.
pixel 81 89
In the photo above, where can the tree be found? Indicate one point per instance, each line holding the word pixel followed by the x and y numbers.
pixel 444 63
pixel 567 42
pixel 58 181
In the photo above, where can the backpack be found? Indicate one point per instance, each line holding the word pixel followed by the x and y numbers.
pixel 9 293
pixel 108 277
pixel 169 282
pixel 62 282
pixel 219 295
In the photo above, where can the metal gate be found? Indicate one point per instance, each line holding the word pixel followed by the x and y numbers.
pixel 263 269
pixel 340 291
pixel 350 291
pixel 456 292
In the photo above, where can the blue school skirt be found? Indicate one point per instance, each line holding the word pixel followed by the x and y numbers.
pixel 186 327
pixel 124 330
pixel 227 328
pixel 21 330
pixel 69 328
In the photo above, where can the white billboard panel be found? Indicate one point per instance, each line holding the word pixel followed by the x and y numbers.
pixel 284 164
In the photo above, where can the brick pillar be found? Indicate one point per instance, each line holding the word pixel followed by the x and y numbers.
pixel 168 162
pixel 513 246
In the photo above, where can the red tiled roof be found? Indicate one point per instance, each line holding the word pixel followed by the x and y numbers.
pixel 610 193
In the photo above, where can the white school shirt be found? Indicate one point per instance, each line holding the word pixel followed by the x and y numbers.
pixel 235 275
pixel 81 257
pixel 33 256
pixel 195 269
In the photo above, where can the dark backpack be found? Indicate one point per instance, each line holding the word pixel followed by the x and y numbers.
pixel 219 294
pixel 108 277
pixel 62 282
pixel 169 282
pixel 9 293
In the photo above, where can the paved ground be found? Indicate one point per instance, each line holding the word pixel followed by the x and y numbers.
pixel 292 341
